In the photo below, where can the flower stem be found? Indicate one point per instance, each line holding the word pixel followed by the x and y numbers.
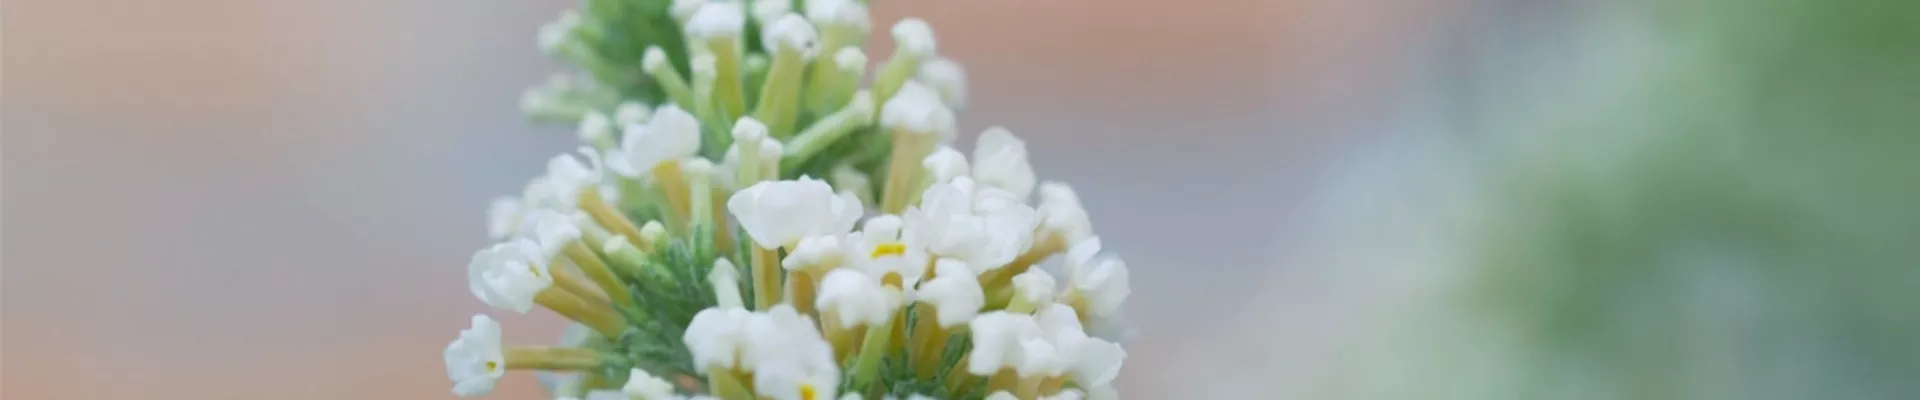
pixel 780 95
pixel 600 318
pixel 590 263
pixel 826 132
pixel 722 224
pixel 800 291
pixel 1029 387
pixel 675 86
pixel 903 169
pixel 727 386
pixel 958 380
pixel 929 341
pixel 1004 380
pixel 899 68
pixel 566 280
pixel 824 76
pixel 727 86
pixel 607 216
pixel 841 338
pixel 766 278
pixel 1053 385
pixel 553 358
pixel 673 182
pixel 866 367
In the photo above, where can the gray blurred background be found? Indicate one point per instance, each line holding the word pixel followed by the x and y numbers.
pixel 226 199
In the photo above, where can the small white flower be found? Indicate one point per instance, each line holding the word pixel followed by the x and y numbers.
pixel 789 33
pixel 1009 222
pixel 945 224
pixel 884 227
pixel 946 163
pixel 997 337
pixel 1035 286
pixel 1061 216
pixel 1089 361
pixel 790 360
pixel 917 109
pixel 556 33
pixel 985 227
pixel 946 77
pixel 509 275
pixel 717 19
pixel 595 127
pixel 644 386
pixel 843 13
pixel 1000 160
pixel 552 230
pixel 716 337
pixel 633 113
pixel 954 291
pixel 879 249
pixel 855 298
pixel 914 36
pixel 1040 358
pixel 669 135
pixel 1100 279
pixel 851 60
pixel 474 359
pixel 815 253
pixel 560 188
pixel 504 217
pixel 653 61
pixel 780 213
pixel 749 131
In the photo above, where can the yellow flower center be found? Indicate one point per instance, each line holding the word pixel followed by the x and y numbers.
pixel 889 249
pixel 493 366
pixel 808 393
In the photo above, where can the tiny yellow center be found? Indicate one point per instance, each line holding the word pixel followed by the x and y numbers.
pixel 889 249
pixel 808 393
pixel 493 366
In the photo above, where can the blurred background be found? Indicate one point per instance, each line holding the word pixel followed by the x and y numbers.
pixel 1411 199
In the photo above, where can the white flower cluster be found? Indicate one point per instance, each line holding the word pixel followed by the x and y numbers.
pixel 695 244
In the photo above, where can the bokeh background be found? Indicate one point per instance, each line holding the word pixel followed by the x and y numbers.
pixel 228 199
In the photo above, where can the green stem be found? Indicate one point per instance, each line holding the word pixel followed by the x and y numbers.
pixel 825 132
pixel 823 77
pixel 873 351
pixel 728 85
pixel 553 358
pixel 675 86
pixel 779 96
pixel 590 263
pixel 895 74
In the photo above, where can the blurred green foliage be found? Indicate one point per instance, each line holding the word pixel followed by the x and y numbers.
pixel 1744 222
